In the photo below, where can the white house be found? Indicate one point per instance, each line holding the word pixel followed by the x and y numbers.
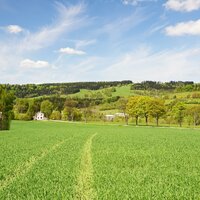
pixel 39 116
pixel 112 117
pixel 109 117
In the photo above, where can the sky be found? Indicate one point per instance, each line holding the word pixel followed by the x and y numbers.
pixel 45 41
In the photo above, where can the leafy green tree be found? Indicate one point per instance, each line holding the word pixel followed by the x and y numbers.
pixel 179 112
pixel 6 105
pixel 33 108
pixel 70 108
pixel 193 114
pixel 46 107
pixel 77 114
pixel 144 103
pixel 122 103
pixel 108 92
pixel 133 108
pixel 86 110
pixel 55 115
pixel 157 109
pixel 64 114
pixel 21 105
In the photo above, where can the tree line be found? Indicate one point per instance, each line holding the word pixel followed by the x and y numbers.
pixel 175 111
pixel 35 90
pixel 55 108
pixel 177 86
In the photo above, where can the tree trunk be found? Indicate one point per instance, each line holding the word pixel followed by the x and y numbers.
pixel 146 120
pixel 136 120
pixel 126 118
pixel 194 120
pixel 157 118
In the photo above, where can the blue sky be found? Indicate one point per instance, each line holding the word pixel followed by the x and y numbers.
pixel 99 40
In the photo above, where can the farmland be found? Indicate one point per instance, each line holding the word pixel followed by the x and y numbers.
pixel 53 160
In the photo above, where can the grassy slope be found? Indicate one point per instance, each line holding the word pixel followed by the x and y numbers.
pixel 125 162
pixel 120 91
pixel 125 91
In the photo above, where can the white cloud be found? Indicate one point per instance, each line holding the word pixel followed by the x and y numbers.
pixel 184 28
pixel 143 64
pixel 183 5
pixel 14 29
pixel 68 20
pixel 116 28
pixel 84 43
pixel 71 51
pixel 27 63
pixel 134 2
pixel 13 50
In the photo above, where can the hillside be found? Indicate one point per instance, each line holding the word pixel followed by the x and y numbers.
pixel 92 101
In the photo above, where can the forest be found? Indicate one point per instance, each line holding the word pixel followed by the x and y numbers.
pixel 35 90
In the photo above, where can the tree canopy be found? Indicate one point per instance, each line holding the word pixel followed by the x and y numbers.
pixel 6 106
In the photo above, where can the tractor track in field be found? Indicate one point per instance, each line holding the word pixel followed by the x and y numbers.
pixel 84 188
pixel 26 166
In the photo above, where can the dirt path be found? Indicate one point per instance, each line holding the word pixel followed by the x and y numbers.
pixel 84 187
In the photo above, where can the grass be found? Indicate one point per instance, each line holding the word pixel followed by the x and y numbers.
pixel 123 91
pixel 52 160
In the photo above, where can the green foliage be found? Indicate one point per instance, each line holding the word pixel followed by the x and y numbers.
pixel 157 108
pixel 144 106
pixel 34 90
pixel 121 105
pixel 172 85
pixel 23 116
pixel 6 105
pixel 55 115
pixel 70 109
pixel 196 95
pixel 47 108
pixel 107 106
pixel 108 92
pixel 133 108
pixel 21 105
pixel 193 115
pixel 25 109
pixel 100 101
pixel 178 111
pixel 141 106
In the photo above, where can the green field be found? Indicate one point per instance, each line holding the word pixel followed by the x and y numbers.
pixel 54 160
pixel 124 91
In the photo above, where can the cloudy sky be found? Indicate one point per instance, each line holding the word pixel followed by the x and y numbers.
pixel 90 40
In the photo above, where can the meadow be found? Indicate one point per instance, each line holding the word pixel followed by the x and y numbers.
pixel 54 160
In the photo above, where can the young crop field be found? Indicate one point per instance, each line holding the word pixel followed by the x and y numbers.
pixel 54 160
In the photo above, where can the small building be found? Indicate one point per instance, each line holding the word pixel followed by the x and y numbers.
pixel 39 116
pixel 109 117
